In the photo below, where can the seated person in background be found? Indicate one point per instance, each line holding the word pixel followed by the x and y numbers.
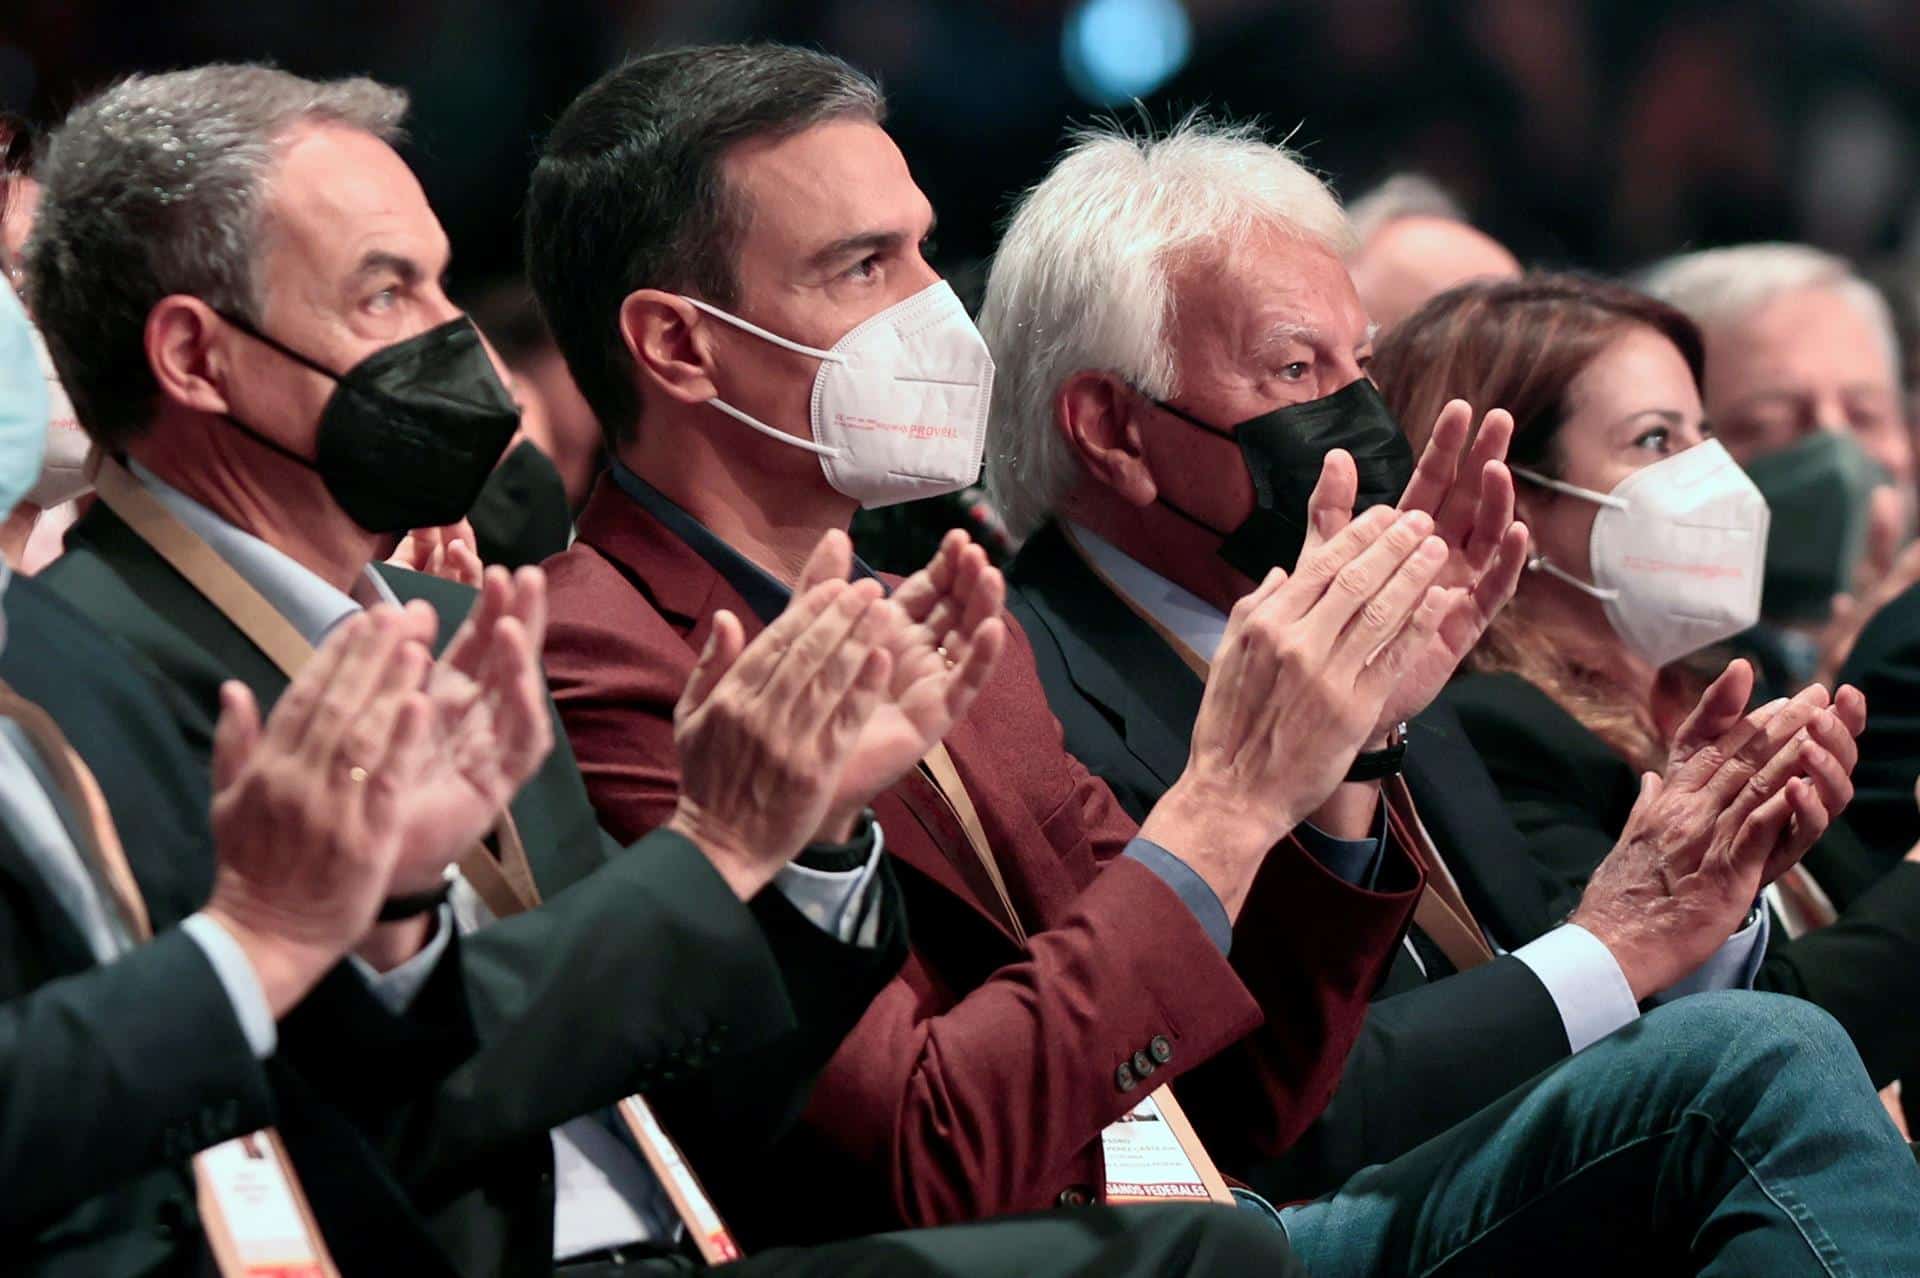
pixel 1803 387
pixel 282 387
pixel 1159 470
pixel 1061 955
pixel 1412 241
pixel 1648 542
pixel 553 412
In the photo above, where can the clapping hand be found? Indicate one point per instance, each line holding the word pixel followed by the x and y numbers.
pixel 763 730
pixel 939 659
pixel 1471 504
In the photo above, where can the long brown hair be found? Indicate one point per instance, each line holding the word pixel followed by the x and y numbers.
pixel 1519 345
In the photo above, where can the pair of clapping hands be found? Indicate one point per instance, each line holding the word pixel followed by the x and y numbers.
pixel 380 765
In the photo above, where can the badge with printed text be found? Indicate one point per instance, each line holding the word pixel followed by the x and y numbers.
pixel 257 1219
pixel 697 1212
pixel 1153 1156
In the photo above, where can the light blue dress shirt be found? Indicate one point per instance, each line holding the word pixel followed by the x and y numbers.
pixel 1579 973
pixel 604 1193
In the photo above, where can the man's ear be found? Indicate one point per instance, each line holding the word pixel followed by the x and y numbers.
pixel 186 354
pixel 669 344
pixel 1098 416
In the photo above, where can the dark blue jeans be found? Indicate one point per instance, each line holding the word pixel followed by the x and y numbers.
pixel 1726 1134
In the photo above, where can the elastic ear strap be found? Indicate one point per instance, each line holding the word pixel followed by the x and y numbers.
pixel 832 357
pixel 770 432
pixel 1572 490
pixel 1540 563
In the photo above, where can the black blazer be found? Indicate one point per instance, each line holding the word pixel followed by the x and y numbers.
pixel 1570 794
pixel 1431 1052
pixel 654 978
pixel 1885 664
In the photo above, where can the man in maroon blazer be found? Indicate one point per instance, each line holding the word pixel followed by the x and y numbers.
pixel 981 1080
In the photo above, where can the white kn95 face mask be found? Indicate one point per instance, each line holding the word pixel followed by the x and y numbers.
pixel 900 403
pixel 1678 551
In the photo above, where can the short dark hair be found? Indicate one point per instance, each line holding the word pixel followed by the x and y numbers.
pixel 627 193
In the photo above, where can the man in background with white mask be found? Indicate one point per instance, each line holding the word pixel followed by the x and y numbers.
pixel 1065 964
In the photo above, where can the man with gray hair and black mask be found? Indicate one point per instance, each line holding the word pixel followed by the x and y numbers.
pixel 1183 405
pixel 240 281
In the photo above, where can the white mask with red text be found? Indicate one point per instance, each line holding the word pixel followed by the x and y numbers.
pixel 1678 551
pixel 899 406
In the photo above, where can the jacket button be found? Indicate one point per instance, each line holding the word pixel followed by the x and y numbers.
pixel 1075 1196
pixel 1123 1078
pixel 1160 1049
pixel 1143 1064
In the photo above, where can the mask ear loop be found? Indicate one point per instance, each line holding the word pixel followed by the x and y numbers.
pixel 798 348
pixel 1539 562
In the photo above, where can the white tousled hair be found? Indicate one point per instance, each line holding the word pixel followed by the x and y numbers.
pixel 1081 278
pixel 1719 288
pixel 1402 195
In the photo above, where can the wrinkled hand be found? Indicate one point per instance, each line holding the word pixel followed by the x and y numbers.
pixel 490 728
pixel 1296 689
pixel 441 552
pixel 1734 812
pixel 308 812
pixel 940 659
pixel 764 729
pixel 1472 507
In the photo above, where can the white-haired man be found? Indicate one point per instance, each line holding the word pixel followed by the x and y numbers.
pixel 1803 387
pixel 1412 242
pixel 1181 352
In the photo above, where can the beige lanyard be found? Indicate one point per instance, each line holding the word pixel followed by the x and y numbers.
pixel 506 885
pixel 256 1215
pixel 1194 1172
pixel 1441 912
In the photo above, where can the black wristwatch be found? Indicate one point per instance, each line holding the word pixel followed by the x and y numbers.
pixel 1371 765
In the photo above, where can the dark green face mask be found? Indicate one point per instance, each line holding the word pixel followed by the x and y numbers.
pixel 1819 492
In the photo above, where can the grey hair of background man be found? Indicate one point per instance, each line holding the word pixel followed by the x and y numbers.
pixel 629 191
pixel 158 187
pixel 1721 288
pixel 1402 195
pixel 1082 279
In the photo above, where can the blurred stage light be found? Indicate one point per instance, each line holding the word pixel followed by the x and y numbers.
pixel 1117 50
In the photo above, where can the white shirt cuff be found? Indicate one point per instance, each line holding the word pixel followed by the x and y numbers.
pixel 242 983
pixel 397 988
pixel 1585 982
pixel 1732 967
pixel 835 901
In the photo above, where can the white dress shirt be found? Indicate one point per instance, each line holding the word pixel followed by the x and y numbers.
pixel 1580 974
pixel 604 1193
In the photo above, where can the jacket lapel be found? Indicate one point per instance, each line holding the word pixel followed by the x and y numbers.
pixel 1130 672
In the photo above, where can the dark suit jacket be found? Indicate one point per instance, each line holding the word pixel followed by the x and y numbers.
pixel 1570 795
pixel 1431 1052
pixel 1885 665
pixel 641 972
pixel 981 1078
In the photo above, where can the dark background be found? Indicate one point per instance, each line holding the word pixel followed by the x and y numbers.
pixel 1597 132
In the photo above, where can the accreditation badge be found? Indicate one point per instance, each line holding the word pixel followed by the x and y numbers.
pixel 697 1212
pixel 257 1220
pixel 1153 1155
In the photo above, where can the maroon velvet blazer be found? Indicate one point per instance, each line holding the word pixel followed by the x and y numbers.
pixel 980 1080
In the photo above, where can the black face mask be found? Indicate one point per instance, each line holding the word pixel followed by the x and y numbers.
pixel 411 432
pixel 521 515
pixel 1283 451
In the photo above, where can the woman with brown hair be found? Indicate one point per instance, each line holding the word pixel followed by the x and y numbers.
pixel 1648 544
